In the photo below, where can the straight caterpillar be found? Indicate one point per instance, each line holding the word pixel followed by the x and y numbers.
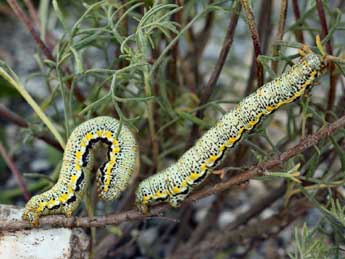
pixel 112 177
pixel 175 183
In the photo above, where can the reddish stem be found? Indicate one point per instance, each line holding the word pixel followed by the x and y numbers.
pixel 14 171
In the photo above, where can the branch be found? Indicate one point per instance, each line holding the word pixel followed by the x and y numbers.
pixel 19 121
pixel 331 66
pixel 248 12
pixel 40 44
pixel 12 166
pixel 297 13
pixel 280 33
pixel 32 12
pixel 176 17
pixel 57 221
pixel 30 27
pixel 227 43
pixel 265 30
pixel 217 240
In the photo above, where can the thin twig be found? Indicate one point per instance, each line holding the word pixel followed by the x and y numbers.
pixel 177 17
pixel 56 221
pixel 265 24
pixel 197 46
pixel 331 66
pixel 265 29
pixel 32 12
pixel 258 207
pixel 256 40
pixel 227 43
pixel 11 165
pixel 217 69
pixel 29 25
pixel 298 32
pixel 6 114
pixel 280 33
pixel 218 240
pixel 6 10
pixel 40 44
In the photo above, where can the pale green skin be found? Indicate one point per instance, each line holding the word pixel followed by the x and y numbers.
pixel 214 143
pixel 119 178
pixel 176 182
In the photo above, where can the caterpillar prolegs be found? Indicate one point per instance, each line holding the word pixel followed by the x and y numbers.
pixel 173 184
pixel 112 177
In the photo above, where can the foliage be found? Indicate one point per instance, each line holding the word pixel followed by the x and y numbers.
pixel 149 64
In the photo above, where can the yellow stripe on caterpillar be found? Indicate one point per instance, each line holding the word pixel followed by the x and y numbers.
pixel 64 197
pixel 195 164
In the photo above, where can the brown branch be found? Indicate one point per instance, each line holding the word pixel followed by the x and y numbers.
pixel 41 45
pixel 324 27
pixel 203 36
pixel 61 221
pixel 280 33
pixel 265 29
pixel 217 240
pixel 19 121
pixel 258 207
pixel 6 10
pixel 11 165
pixel 331 66
pixel 197 46
pixel 32 12
pixel 256 40
pixel 177 17
pixel 298 33
pixel 227 43
pixel 265 24
pixel 30 27
pixel 203 226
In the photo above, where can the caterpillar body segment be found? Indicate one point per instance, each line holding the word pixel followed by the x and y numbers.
pixel 173 184
pixel 112 177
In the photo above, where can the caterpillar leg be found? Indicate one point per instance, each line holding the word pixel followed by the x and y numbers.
pixel 220 173
pixel 32 217
pixel 304 50
pixel 176 201
pixel 143 208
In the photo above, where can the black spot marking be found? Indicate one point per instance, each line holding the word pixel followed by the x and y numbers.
pixel 215 163
pixel 79 181
pixel 91 143
pixel 85 156
pixel 108 143
pixel 72 199
pixel 161 199
pixel 201 178
pixel 55 207
pixel 185 192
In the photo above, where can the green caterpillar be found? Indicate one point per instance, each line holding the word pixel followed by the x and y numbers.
pixel 175 183
pixel 112 177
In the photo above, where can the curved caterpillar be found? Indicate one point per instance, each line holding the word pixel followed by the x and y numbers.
pixel 173 184
pixel 112 177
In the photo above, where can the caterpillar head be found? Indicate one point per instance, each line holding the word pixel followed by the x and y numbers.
pixel 315 61
pixel 32 211
pixel 143 196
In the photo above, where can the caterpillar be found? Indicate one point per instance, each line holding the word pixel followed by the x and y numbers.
pixel 112 177
pixel 176 182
